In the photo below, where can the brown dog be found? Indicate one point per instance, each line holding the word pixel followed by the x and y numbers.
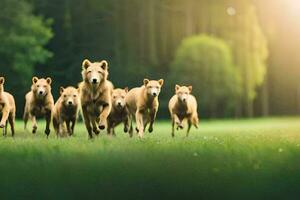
pixel 39 103
pixel 95 95
pixel 142 102
pixel 66 111
pixel 119 112
pixel 7 108
pixel 183 106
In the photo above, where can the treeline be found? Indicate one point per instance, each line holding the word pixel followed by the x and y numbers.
pixel 141 39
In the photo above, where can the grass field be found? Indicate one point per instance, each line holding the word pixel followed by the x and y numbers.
pixel 242 159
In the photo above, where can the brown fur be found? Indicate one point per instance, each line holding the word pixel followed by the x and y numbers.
pixel 95 92
pixel 7 109
pixel 183 106
pixel 39 103
pixel 66 111
pixel 119 112
pixel 143 104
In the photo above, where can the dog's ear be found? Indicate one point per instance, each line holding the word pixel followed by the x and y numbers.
pixel 35 79
pixel 61 90
pixel 2 80
pixel 49 80
pixel 146 81
pixel 177 87
pixel 104 65
pixel 161 82
pixel 85 64
pixel 190 88
pixel 78 90
pixel 126 89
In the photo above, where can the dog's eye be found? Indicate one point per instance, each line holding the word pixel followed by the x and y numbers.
pixel 89 72
pixel 65 96
pixel 99 72
pixel 123 97
pixel 38 86
pixel 74 95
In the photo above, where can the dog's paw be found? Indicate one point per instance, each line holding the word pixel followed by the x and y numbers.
pixel 47 132
pixel 101 126
pixel 2 125
pixel 150 129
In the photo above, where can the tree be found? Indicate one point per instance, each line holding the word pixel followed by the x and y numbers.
pixel 22 37
pixel 206 63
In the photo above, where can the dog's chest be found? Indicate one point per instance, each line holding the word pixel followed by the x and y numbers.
pixel 118 116
pixel 95 108
pixel 69 113
pixel 182 112
pixel 39 110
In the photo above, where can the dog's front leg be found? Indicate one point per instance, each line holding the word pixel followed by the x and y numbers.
pixel 87 121
pixel 103 116
pixel 48 121
pixel 5 114
pixel 139 122
pixel 73 121
pixel 126 124
pixel 152 118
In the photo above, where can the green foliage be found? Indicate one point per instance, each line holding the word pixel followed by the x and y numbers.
pixel 206 63
pixel 22 37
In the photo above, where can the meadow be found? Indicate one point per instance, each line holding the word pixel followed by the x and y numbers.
pixel 223 159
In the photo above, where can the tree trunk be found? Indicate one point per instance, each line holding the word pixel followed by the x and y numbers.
pixel 265 98
pixel 152 32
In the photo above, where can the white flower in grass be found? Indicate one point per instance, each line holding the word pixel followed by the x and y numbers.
pixel 195 154
pixel 280 150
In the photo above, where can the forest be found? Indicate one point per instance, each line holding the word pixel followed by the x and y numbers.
pixel 240 56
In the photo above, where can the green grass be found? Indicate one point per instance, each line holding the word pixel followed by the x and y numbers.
pixel 243 159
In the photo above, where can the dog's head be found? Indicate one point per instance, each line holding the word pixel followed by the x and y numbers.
pixel 94 73
pixel 153 87
pixel 69 96
pixel 183 92
pixel 118 98
pixel 41 87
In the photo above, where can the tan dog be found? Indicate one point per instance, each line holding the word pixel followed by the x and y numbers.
pixel 142 102
pixel 7 108
pixel 66 111
pixel 95 92
pixel 183 106
pixel 39 103
pixel 119 112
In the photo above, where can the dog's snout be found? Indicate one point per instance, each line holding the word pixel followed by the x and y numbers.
pixel 41 92
pixel 70 102
pixel 94 80
pixel 154 94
